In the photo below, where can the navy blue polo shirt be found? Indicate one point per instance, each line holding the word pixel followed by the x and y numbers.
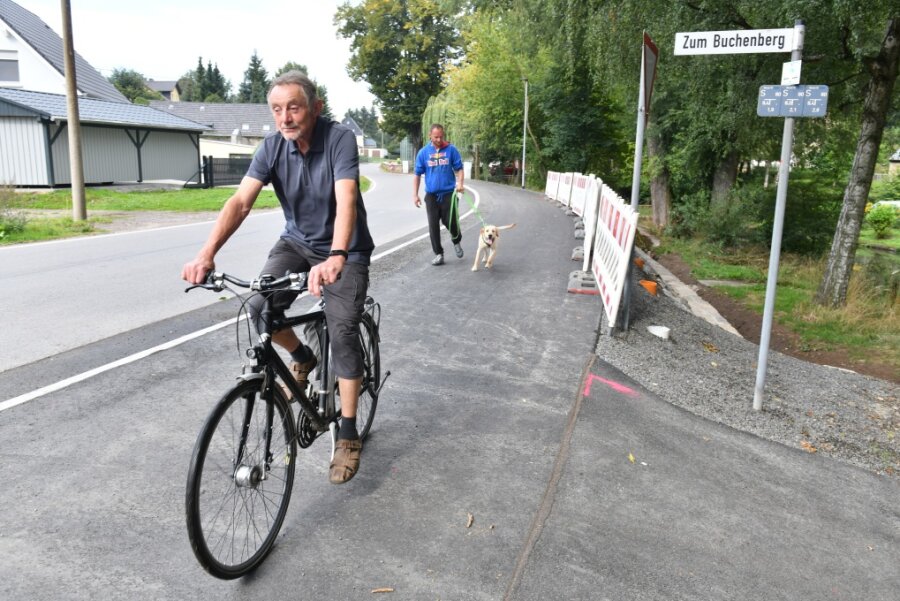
pixel 305 186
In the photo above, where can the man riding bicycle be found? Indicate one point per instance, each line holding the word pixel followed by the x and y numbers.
pixel 313 166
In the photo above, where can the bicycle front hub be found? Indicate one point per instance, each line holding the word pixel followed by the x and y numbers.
pixel 248 476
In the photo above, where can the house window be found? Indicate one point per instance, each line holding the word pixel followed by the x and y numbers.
pixel 9 66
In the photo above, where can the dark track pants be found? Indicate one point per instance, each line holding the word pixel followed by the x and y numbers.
pixel 438 213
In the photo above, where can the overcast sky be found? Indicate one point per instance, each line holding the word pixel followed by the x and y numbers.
pixel 161 39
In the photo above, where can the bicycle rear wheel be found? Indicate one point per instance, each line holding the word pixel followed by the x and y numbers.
pixel 368 394
pixel 238 488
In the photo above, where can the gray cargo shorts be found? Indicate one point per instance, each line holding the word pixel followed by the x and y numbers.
pixel 344 302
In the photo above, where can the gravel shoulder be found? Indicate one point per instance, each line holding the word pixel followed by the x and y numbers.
pixel 711 372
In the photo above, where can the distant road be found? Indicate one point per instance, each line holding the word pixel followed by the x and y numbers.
pixel 61 295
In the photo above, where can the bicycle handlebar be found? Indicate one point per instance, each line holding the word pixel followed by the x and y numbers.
pixel 215 280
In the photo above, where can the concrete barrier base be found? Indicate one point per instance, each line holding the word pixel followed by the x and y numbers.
pixel 582 282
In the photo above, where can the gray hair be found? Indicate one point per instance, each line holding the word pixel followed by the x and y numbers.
pixel 297 78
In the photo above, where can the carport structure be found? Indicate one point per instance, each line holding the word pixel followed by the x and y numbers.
pixel 120 142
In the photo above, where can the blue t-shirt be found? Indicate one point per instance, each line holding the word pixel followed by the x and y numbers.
pixel 305 186
pixel 438 167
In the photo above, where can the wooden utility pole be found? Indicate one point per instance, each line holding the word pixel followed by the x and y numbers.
pixel 76 170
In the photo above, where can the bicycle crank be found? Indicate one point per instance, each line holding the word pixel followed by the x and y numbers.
pixel 306 431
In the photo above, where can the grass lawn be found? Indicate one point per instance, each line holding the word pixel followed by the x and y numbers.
pixel 867 238
pixel 102 199
pixel 18 224
pixel 868 326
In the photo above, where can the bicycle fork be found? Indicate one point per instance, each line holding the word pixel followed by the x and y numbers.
pixel 246 475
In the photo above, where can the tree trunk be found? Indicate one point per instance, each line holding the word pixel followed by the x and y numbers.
pixel 724 177
pixel 660 191
pixel 833 289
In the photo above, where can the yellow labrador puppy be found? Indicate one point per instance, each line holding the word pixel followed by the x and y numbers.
pixel 488 240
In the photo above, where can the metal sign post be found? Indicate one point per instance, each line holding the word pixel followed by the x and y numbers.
pixel 524 130
pixel 787 142
pixel 649 58
pixel 788 100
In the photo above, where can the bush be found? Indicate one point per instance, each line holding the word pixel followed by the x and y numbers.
pixel 689 214
pixel 887 188
pixel 733 223
pixel 736 222
pixel 881 219
pixel 11 222
pixel 810 217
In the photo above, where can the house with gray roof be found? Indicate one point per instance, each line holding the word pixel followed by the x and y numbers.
pixel 366 146
pixel 121 142
pixel 170 90
pixel 32 58
pixel 237 123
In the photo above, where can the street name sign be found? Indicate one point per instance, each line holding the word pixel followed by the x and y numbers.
pixel 742 41
pixel 792 101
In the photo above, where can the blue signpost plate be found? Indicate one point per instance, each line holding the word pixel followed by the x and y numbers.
pixel 769 103
pixel 792 101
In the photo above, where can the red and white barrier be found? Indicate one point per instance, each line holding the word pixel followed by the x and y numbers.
pixel 591 208
pixel 565 189
pixel 580 184
pixel 551 189
pixel 616 226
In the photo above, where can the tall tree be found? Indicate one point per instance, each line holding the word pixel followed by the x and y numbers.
pixel 292 66
pixel 366 119
pixel 401 49
pixel 321 90
pixel 204 84
pixel 883 73
pixel 218 89
pixel 256 82
pixel 133 86
pixel 187 86
pixel 201 88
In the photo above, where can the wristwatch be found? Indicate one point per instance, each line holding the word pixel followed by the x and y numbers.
pixel 338 253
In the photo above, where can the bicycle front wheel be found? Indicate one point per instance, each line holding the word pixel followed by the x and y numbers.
pixel 368 394
pixel 240 479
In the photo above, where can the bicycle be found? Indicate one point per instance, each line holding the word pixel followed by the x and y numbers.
pixel 242 467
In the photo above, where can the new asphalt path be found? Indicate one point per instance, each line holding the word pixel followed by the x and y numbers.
pixel 507 462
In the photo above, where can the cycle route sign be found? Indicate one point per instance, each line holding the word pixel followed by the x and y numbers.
pixel 792 101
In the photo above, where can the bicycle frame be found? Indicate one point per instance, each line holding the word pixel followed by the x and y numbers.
pixel 270 364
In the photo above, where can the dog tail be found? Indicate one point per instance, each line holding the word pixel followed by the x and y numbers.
pixel 507 227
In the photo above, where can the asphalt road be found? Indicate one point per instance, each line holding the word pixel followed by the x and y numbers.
pixel 81 290
pixel 499 465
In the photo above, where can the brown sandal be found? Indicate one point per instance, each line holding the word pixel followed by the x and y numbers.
pixel 346 461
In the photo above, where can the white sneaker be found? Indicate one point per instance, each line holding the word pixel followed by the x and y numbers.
pixel 459 250
pixel 438 260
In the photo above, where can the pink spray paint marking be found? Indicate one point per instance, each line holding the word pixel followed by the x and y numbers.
pixel 621 388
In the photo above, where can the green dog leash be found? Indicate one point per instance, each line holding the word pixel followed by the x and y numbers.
pixel 454 208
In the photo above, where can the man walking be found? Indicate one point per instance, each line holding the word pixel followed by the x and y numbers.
pixel 441 164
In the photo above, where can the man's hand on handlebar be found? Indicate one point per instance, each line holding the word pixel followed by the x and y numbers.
pixel 195 271
pixel 327 272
